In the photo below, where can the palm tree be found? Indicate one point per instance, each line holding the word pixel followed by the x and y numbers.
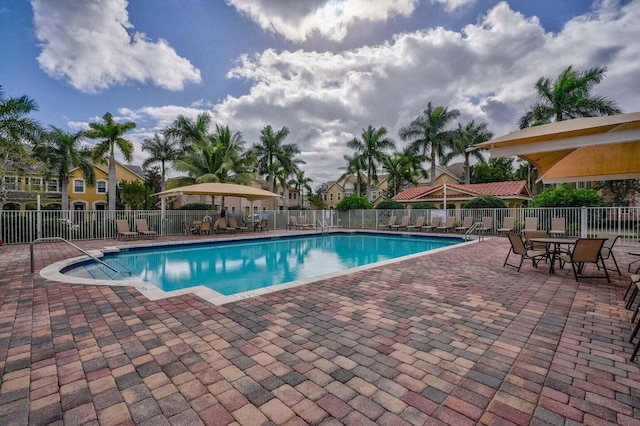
pixel 187 131
pixel 272 153
pixel 64 152
pixel 355 167
pixel 111 134
pixel 162 149
pixel 301 182
pixel 288 166
pixel 464 137
pixel 371 151
pixel 15 128
pixel 428 134
pixel 403 169
pixel 568 97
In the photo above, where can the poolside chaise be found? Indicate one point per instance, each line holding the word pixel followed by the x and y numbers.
pixel 263 225
pixel 233 224
pixel 123 231
pixel 143 228
pixel 220 225
pixel 403 223
pixel 530 224
pixel 435 222
pixel 205 228
pixel 507 224
pixel 390 223
pixel 466 224
pixel 448 224
pixel 418 225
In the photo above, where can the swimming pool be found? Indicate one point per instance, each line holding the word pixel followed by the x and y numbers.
pixel 232 267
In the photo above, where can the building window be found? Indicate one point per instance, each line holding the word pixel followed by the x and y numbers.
pixel 11 182
pixel 331 197
pixel 233 209
pixel 101 187
pixel 324 197
pixel 78 186
pixel 101 206
pixel 35 184
pixel 581 185
pixel 339 196
pixel 374 195
pixel 348 194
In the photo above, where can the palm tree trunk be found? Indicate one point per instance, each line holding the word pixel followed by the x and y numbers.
pixel 467 170
pixel 64 183
pixel 162 184
pixel 112 182
pixel 433 166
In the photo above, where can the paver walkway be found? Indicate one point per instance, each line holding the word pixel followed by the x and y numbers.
pixel 447 338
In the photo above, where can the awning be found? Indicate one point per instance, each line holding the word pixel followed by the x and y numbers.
pixel 220 189
pixel 582 149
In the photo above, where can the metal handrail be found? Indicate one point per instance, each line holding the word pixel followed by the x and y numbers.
pixel 83 251
pixel 322 223
pixel 473 228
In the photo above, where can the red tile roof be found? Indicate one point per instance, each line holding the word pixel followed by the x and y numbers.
pixel 499 189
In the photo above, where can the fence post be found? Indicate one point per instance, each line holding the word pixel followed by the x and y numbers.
pixel 583 222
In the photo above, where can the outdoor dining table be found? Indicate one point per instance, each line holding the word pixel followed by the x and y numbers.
pixel 554 247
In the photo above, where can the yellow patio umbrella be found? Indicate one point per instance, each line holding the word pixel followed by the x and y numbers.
pixel 220 189
pixel 582 149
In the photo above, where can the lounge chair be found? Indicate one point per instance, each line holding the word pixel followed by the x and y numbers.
pixel 403 223
pixel 220 225
pixel 530 224
pixel 390 223
pixel 293 223
pixel 233 224
pixel 586 250
pixel 466 224
pixel 435 221
pixel 448 224
pixel 143 229
pixel 518 248
pixel 487 225
pixel 122 228
pixel 418 225
pixel 302 223
pixel 557 226
pixel 607 248
pixel 188 229
pixel 205 228
pixel 507 224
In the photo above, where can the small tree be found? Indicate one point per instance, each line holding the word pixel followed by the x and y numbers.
pixel 486 202
pixel 423 205
pixel 566 196
pixel 353 202
pixel 390 205
pixel 136 195
pixel 619 190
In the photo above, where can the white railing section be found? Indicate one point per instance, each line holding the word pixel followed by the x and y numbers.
pixel 27 226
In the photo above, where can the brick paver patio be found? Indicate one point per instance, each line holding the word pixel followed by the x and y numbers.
pixel 447 338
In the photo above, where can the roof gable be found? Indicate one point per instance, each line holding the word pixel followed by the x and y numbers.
pixel 509 189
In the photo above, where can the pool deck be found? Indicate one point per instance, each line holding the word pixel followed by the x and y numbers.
pixel 446 338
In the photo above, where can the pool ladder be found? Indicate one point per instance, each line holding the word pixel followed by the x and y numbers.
pixel 83 251
pixel 322 224
pixel 467 234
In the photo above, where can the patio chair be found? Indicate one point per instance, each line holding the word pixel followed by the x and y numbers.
pixel 143 228
pixel 293 223
pixel 390 223
pixel 531 224
pixel 302 223
pixel 123 231
pixel 233 224
pixel 403 223
pixel 586 250
pixel 487 225
pixel 507 224
pixel 205 228
pixel 518 248
pixel 263 225
pixel 189 229
pixel 448 224
pixel 529 234
pixel 607 248
pixel 220 225
pixel 558 226
pixel 467 223
pixel 418 225
pixel 435 222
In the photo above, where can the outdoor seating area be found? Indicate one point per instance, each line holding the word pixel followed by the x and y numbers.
pixel 429 342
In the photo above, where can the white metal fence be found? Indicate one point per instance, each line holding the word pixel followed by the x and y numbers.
pixel 24 227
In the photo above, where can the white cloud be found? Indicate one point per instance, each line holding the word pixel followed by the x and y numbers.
pixel 487 71
pixel 91 43
pixel 451 5
pixel 297 20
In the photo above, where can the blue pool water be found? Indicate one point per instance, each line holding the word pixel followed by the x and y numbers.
pixel 237 266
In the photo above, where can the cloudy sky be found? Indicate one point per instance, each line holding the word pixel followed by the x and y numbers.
pixel 326 69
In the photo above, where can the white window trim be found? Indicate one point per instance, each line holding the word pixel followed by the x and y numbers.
pixel 84 186
pixel 106 187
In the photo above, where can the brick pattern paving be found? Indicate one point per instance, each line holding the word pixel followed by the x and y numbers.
pixel 448 338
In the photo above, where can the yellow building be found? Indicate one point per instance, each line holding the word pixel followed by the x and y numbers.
pixel 85 197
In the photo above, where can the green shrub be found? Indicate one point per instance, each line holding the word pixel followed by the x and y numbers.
pixel 353 202
pixel 390 205
pixel 195 206
pixel 485 202
pixel 566 196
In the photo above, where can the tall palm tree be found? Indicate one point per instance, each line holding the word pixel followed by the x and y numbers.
pixel 162 149
pixel 569 96
pixel 288 166
pixel 301 183
pixel 403 169
pixel 371 151
pixel 428 135
pixel 187 131
pixel 272 153
pixel 111 135
pixel 463 138
pixel 63 152
pixel 355 167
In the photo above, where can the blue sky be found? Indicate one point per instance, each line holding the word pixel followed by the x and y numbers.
pixel 326 69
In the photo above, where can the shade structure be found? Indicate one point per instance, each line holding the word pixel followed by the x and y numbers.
pixel 220 189
pixel 582 149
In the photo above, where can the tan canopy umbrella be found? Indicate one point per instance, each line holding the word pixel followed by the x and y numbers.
pixel 582 149
pixel 220 189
